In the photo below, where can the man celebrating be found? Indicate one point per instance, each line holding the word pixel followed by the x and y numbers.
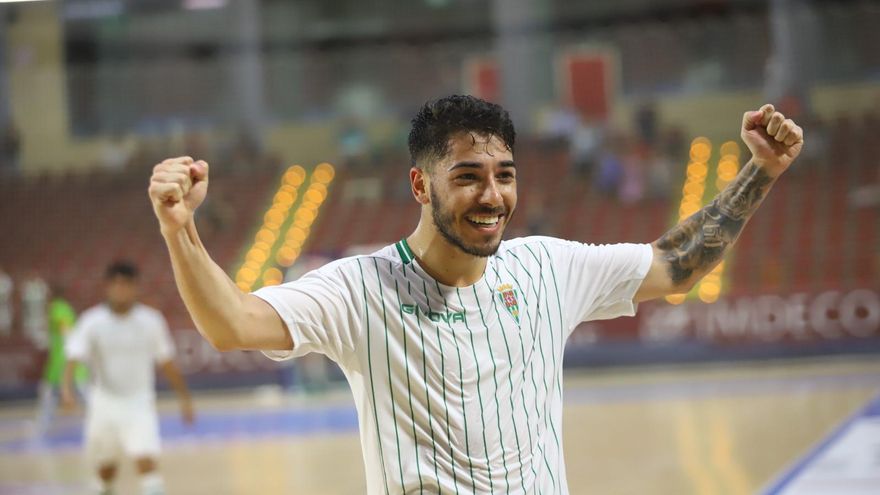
pixel 121 341
pixel 452 339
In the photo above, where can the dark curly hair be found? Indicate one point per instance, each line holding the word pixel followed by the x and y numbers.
pixel 438 120
pixel 121 268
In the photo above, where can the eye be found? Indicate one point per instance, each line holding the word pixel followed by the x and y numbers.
pixel 466 177
pixel 506 177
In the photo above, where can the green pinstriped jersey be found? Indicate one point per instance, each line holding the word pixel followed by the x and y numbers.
pixel 459 389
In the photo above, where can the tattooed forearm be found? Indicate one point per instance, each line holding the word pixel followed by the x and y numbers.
pixel 696 244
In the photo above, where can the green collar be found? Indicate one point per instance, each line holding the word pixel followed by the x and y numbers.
pixel 404 251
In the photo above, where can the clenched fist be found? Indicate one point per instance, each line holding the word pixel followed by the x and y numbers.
pixel 773 140
pixel 178 186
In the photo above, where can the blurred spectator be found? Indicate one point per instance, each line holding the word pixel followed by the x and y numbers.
pixel 217 212
pixel 610 170
pixel 34 293
pixel 560 123
pixel 866 196
pixel 646 123
pixel 815 153
pixel 353 145
pixel 536 216
pixel 674 145
pixel 401 190
pixel 368 189
pixel 585 145
pixel 632 183
pixel 7 288
pixel 117 152
pixel 10 149
pixel 659 174
pixel 246 151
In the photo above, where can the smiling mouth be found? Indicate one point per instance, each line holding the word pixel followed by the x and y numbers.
pixel 484 221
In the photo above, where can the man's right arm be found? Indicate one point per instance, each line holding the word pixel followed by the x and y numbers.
pixel 68 398
pixel 228 318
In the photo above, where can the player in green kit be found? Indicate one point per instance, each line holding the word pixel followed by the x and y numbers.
pixel 61 320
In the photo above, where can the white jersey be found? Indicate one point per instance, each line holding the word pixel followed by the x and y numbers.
pixel 121 350
pixel 459 390
pixel 34 311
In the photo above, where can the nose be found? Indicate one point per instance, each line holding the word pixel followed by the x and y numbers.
pixel 491 195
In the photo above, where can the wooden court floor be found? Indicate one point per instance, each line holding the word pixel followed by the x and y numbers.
pixel 702 429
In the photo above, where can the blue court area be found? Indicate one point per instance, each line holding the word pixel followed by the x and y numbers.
pixel 846 462
pixel 298 421
pixel 212 425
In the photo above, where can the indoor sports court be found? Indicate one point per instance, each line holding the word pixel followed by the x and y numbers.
pixel 763 379
pixel 701 429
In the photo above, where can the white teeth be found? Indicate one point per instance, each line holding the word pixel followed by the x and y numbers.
pixel 484 220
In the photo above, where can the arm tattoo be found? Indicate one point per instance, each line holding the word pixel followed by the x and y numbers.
pixel 697 243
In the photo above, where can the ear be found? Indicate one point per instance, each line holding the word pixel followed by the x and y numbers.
pixel 419 182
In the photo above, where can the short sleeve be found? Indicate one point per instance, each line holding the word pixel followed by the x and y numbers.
pixel 76 343
pixel 63 316
pixel 600 281
pixel 164 345
pixel 317 314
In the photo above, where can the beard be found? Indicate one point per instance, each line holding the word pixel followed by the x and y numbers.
pixel 444 220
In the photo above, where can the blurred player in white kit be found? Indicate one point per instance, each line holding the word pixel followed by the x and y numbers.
pixel 122 341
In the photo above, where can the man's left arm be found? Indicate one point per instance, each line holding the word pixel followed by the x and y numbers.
pixel 691 249
pixel 175 379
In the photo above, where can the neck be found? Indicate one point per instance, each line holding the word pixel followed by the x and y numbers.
pixel 443 261
pixel 120 310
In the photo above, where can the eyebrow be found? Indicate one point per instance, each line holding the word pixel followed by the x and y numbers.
pixel 505 163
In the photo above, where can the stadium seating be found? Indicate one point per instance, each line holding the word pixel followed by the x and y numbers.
pixel 77 223
pixel 807 236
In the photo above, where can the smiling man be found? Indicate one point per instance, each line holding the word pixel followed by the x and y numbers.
pixel 452 339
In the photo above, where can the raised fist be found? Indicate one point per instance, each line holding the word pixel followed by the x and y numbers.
pixel 178 186
pixel 773 140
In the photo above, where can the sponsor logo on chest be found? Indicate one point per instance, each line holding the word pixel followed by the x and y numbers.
pixel 446 317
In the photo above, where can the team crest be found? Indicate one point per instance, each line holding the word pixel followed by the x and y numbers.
pixel 507 295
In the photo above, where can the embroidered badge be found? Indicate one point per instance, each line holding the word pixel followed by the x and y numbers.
pixel 507 295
